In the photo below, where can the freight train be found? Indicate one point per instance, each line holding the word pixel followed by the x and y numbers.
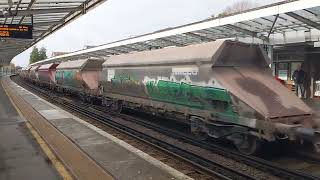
pixel 221 89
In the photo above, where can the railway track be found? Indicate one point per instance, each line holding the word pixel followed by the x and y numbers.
pixel 213 168
pixel 292 159
pixel 296 161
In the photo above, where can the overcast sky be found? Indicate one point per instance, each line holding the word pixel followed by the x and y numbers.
pixel 119 19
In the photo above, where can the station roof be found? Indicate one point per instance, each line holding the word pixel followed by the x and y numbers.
pixel 46 16
pixel 268 25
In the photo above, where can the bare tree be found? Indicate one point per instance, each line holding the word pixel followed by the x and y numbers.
pixel 238 7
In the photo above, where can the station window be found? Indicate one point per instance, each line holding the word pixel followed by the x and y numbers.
pixel 283 69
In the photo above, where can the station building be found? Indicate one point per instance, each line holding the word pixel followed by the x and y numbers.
pixel 287 58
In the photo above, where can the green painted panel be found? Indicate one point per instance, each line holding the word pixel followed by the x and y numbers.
pixel 208 98
pixel 68 77
pixel 216 100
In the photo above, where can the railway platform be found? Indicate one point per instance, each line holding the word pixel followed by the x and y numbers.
pixel 21 157
pixel 86 151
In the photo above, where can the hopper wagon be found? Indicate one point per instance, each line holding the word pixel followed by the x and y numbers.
pixel 223 89
pixel 27 72
pixel 79 77
pixel 22 73
pixel 46 74
pixel 34 73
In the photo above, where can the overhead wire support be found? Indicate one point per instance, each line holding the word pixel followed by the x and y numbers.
pixel 274 22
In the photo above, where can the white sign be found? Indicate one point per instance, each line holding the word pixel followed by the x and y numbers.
pixel 111 74
pixel 316 44
pixel 184 71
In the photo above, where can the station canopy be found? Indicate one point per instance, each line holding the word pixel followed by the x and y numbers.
pixel 45 16
pixel 275 24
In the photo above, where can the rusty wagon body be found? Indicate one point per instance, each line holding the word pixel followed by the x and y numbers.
pixel 221 88
pixel 47 73
pixel 81 75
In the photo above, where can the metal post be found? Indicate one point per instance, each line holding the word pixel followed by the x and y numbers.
pixel 274 22
pixel 312 85
pixel 270 54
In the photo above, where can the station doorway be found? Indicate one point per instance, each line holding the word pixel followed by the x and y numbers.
pixel 286 59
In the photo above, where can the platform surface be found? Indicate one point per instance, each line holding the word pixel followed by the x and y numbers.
pixel 117 157
pixel 20 155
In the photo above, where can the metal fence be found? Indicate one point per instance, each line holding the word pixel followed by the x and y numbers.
pixel 7 71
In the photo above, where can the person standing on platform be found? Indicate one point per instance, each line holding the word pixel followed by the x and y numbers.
pixel 299 77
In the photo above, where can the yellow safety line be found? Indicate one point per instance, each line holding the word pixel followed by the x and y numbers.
pixel 53 158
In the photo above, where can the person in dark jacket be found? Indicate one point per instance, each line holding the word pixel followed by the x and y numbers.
pixel 299 77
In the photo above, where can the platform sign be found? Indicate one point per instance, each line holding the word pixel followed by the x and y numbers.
pixel 16 31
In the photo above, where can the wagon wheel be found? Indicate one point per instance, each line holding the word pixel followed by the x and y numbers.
pixel 196 129
pixel 83 98
pixel 200 136
pixel 248 144
pixel 116 106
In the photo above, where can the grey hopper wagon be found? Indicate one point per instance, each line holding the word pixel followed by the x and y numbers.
pixel 223 89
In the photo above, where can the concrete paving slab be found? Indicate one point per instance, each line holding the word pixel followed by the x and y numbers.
pixel 52 114
pixel 124 164
pixel 41 106
pixel 120 162
pixel 79 133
